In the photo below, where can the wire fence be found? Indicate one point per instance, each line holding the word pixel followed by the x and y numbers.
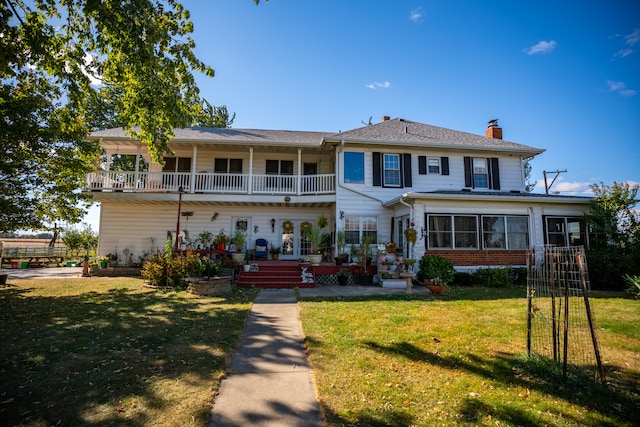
pixel 560 322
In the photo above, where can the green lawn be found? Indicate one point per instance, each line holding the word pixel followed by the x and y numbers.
pixel 110 352
pixel 460 359
pixel 89 352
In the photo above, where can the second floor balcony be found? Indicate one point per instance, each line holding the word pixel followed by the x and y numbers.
pixel 212 183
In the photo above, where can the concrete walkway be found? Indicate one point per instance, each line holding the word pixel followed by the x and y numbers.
pixel 270 383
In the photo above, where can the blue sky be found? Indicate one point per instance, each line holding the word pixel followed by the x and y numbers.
pixel 559 75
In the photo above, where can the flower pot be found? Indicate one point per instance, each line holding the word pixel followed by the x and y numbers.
pixel 342 280
pixel 103 264
pixel 3 279
pixel 275 256
pixel 315 259
pixel 435 289
pixel 382 258
pixel 246 268
pixel 238 257
pixel 384 267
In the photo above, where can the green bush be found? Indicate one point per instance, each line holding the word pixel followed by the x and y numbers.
pixel 494 277
pixel 436 266
pixel 163 270
pixel 463 279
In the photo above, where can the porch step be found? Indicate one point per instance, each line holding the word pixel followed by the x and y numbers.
pixel 275 276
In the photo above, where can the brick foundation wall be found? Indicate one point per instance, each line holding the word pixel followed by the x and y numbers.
pixel 470 258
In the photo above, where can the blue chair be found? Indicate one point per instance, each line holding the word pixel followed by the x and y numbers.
pixel 261 248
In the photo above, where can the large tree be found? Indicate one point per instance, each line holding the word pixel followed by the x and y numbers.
pixel 57 56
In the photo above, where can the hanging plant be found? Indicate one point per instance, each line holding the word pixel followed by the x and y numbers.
pixel 322 221
pixel 410 234
pixel 287 227
pixel 305 227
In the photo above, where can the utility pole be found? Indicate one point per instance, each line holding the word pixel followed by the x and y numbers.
pixel 548 186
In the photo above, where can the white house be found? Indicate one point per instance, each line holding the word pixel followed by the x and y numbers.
pixel 463 193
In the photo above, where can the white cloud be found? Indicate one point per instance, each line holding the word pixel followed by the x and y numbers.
pixel 416 15
pixel 632 38
pixel 542 47
pixel 621 88
pixel 565 187
pixel 378 85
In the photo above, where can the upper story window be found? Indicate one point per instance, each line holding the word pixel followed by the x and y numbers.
pixel 483 173
pixel 353 167
pixel 176 164
pixel 392 170
pixel 227 165
pixel 433 165
pixel 279 167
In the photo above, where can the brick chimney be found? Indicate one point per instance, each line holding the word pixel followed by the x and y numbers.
pixel 386 118
pixel 493 131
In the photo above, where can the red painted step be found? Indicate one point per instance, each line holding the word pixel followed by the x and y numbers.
pixel 275 275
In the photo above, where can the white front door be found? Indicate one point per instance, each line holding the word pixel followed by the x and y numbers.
pixel 295 242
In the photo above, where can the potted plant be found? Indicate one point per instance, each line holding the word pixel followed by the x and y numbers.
pixel 246 266
pixel 343 256
pixel 205 237
pixel 102 261
pixel 221 240
pixel 382 253
pixel 275 252
pixel 408 265
pixel 239 239
pixel 343 276
pixel 436 271
pixel 315 239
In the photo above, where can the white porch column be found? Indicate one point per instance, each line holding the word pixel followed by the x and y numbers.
pixel 299 171
pixel 421 243
pixel 192 180
pixel 137 166
pixel 250 170
pixel 107 165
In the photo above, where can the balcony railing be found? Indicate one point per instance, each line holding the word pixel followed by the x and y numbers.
pixel 215 183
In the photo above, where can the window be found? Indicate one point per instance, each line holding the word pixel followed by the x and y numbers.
pixel 357 227
pixel 433 165
pixel 227 166
pixel 353 167
pixel 480 173
pixel 453 232
pixel 176 164
pixel 564 231
pixel 505 232
pixel 279 167
pixel 392 170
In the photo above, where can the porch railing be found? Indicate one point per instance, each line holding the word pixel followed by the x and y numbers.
pixel 210 182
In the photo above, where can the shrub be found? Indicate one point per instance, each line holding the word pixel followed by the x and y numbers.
pixel 463 279
pixel 494 277
pixel 436 266
pixel 155 270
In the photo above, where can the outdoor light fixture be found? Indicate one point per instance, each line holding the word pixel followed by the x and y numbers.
pixel 423 232
pixel 255 229
pixel 341 214
pixel 273 225
pixel 180 191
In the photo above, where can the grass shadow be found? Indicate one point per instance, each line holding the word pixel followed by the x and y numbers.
pixel 106 358
pixel 531 373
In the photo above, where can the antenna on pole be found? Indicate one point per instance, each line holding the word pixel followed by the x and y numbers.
pixel 548 186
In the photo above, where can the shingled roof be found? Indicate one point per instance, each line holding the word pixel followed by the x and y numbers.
pixel 397 131
pixel 407 133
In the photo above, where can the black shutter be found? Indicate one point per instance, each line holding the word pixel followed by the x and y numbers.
pixel 444 165
pixel 468 172
pixel 377 169
pixel 494 174
pixel 422 165
pixel 407 170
